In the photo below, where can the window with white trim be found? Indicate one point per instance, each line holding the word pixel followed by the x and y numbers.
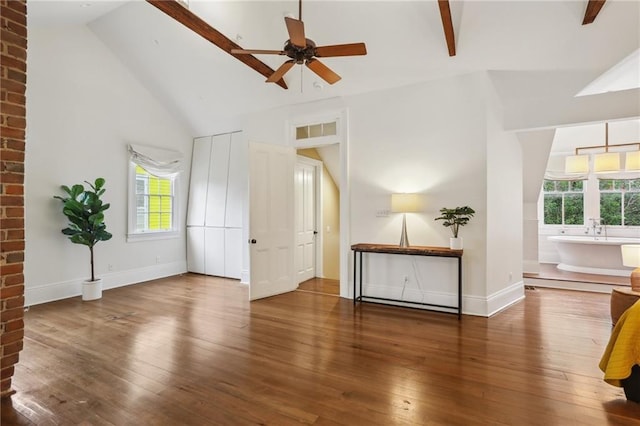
pixel 620 201
pixel 563 202
pixel 316 130
pixel 153 201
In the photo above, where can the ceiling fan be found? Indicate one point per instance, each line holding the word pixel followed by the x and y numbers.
pixel 302 50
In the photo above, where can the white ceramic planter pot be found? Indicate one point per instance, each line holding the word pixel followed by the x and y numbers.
pixel 455 243
pixel 92 290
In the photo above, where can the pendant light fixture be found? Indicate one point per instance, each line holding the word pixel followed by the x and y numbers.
pixel 632 161
pixel 576 164
pixel 604 162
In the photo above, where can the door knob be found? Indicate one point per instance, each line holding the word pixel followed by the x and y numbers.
pixel 252 241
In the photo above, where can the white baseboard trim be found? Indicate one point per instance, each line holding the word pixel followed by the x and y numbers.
pixel 504 298
pixel 244 276
pixel 72 288
pixel 409 295
pixel 471 305
pixel 494 303
pixel 474 305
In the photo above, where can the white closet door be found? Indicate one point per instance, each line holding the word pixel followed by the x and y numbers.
pixel 233 252
pixel 237 186
pixel 195 249
pixel 214 253
pixel 199 181
pixel 218 174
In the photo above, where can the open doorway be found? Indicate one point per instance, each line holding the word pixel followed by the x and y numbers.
pixel 317 219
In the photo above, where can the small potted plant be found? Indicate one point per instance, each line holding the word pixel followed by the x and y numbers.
pixel 454 219
pixel 85 211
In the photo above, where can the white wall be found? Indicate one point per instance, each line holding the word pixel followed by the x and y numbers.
pixel 535 153
pixel 428 138
pixel 504 210
pixel 83 108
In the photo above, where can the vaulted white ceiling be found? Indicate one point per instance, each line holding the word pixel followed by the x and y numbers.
pixel 203 85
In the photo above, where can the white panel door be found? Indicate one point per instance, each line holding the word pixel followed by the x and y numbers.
pixel 305 221
pixel 237 186
pixel 218 174
pixel 214 252
pixel 271 229
pixel 199 181
pixel 233 252
pixel 195 249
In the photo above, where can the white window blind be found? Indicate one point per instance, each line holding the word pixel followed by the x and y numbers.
pixel 157 161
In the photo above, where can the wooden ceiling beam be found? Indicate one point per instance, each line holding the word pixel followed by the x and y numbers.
pixel 447 25
pixel 177 11
pixel 593 8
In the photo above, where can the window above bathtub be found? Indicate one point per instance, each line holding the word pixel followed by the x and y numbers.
pixel 619 201
pixel 563 202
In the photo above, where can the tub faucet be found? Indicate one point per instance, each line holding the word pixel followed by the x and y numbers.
pixel 596 227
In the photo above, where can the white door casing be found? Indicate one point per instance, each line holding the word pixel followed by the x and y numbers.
pixel 341 116
pixel 271 220
pixel 305 218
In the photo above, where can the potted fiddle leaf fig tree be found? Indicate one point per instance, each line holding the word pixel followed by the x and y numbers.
pixel 85 210
pixel 454 219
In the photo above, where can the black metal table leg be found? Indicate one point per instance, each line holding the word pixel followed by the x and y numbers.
pixel 360 276
pixel 460 288
pixel 354 276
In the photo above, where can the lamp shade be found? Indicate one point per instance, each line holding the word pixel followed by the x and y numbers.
pixel 632 161
pixel 404 203
pixel 576 164
pixel 630 255
pixel 606 162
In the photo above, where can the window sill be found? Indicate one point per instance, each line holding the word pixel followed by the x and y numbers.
pixel 152 236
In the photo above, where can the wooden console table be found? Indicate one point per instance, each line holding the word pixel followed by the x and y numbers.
pixel 412 250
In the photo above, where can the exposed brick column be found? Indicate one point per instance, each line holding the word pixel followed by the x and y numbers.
pixel 13 75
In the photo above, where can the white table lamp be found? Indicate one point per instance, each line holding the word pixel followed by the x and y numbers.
pixel 404 203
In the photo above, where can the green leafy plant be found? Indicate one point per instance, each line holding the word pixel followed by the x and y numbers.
pixel 455 218
pixel 85 211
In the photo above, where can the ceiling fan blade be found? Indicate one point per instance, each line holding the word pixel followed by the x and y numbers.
pixel 323 71
pixel 350 49
pixel 181 14
pixel 256 52
pixel 280 72
pixel 296 32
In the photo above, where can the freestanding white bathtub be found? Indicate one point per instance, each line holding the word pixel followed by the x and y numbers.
pixel 592 256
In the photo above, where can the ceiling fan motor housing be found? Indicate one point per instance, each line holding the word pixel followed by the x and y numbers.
pixel 300 54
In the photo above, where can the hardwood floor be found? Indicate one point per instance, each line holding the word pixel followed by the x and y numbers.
pixel 321 285
pixel 192 350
